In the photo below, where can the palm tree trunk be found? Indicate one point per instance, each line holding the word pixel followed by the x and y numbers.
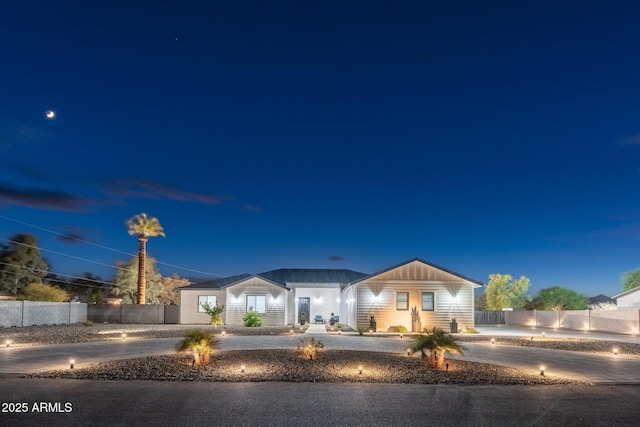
pixel 142 261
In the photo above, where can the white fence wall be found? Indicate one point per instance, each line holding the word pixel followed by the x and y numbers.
pixel 621 321
pixel 29 313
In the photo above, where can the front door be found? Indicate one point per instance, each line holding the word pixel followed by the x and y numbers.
pixel 303 309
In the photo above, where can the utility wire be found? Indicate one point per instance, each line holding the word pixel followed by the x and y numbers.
pixel 102 247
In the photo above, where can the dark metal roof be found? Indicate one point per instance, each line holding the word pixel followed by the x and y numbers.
pixel 311 275
pixel 223 282
pixel 600 298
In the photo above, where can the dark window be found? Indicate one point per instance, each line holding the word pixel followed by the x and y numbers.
pixel 402 301
pixel 428 301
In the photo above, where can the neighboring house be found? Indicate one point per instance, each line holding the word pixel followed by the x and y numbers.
pixel 628 299
pixel 284 296
pixel 599 299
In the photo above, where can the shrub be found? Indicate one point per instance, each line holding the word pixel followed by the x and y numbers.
pixel 309 347
pixel 252 319
pixel 437 343
pixel 469 330
pixel 339 325
pixel 88 323
pixel 200 344
pixel 214 312
pixel 42 292
pixel 399 328
pixel 361 331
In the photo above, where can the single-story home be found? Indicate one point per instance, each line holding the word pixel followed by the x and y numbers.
pixel 289 296
pixel 628 299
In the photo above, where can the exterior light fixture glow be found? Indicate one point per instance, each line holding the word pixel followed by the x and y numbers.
pixel 241 368
pixel 493 340
pixel 544 335
pixel 408 352
pixel 224 333
pixel 291 331
pixel 124 336
pixel 340 332
pixel 8 343
pixel 615 351
pixel 401 336
pixel 542 370
pixel 72 362
pixel 360 370
pixel 370 331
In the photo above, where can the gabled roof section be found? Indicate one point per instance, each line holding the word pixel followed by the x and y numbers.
pixel 625 293
pixel 220 283
pixel 311 275
pixel 443 271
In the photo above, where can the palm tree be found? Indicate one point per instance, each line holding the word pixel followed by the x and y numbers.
pixel 144 227
pixel 200 344
pixel 437 342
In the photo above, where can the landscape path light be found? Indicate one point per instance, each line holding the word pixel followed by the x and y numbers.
pixel 542 370
pixel 71 363
pixel 241 368
pixel 8 343
pixel 615 351
pixel 493 340
pixel 124 336
pixel 360 370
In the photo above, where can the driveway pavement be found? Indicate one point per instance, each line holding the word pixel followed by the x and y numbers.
pixel 601 369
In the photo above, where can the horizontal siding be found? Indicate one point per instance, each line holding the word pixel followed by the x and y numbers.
pixel 386 315
pixel 275 302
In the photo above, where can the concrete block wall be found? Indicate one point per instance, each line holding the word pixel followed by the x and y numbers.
pixel 29 313
pixel 622 320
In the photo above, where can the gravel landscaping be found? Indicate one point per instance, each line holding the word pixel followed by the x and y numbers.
pixel 286 365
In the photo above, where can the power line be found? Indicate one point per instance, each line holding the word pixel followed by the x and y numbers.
pixel 102 247
pixel 65 275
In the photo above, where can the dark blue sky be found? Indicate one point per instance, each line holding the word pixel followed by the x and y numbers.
pixel 501 137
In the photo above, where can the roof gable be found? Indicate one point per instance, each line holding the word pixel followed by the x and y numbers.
pixel 419 270
pixel 625 293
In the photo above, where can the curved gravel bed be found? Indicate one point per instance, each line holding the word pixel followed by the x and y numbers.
pixel 286 365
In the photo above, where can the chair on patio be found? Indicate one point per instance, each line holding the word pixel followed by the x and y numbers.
pixel 319 319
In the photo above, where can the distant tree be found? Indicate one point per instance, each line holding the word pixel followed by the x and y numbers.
pixel 144 227
pixel 630 280
pixel 42 292
pixel 125 281
pixel 504 292
pixel 21 264
pixel 171 289
pixel 481 302
pixel 559 298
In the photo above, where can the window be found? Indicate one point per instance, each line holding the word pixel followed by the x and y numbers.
pixel 257 303
pixel 402 301
pixel 427 301
pixel 211 299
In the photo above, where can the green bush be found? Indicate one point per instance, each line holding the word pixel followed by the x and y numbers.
pixel 252 319
pixel 361 331
pixel 339 325
pixel 200 344
pixel 468 330
pixel 399 328
pixel 309 347
pixel 214 312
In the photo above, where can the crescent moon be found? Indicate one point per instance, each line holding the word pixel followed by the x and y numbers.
pixel 51 114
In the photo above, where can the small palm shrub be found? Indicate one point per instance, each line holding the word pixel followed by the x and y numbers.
pixel 252 319
pixel 200 344
pixel 361 331
pixel 437 343
pixel 309 348
pixel 399 328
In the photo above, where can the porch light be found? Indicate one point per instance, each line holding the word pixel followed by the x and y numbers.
pixel 71 363
pixel 8 343
pixel 360 370
pixel 542 370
